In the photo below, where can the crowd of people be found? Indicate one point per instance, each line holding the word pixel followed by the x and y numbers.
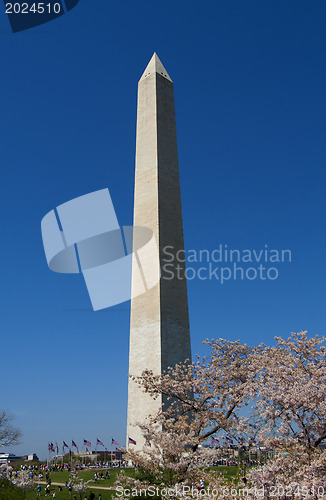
pixel 52 493
pixel 40 474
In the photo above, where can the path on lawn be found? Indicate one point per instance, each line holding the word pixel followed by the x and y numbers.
pixel 89 487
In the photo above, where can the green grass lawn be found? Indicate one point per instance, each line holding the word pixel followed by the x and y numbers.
pixel 63 476
pixel 228 471
pixel 64 495
pixel 86 475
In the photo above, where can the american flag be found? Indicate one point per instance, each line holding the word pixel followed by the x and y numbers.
pixel 115 442
pixel 65 445
pixel 51 447
pixel 74 444
pixel 57 447
pixel 132 441
pixel 87 443
pixel 99 442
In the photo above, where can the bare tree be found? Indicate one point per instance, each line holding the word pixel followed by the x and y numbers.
pixel 8 433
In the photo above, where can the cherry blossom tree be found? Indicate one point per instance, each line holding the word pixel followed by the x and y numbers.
pixel 292 390
pixel 296 473
pixel 283 386
pixel 7 490
pixel 5 471
pixel 291 387
pixel 78 485
pixel 23 481
pixel 201 399
pixel 206 397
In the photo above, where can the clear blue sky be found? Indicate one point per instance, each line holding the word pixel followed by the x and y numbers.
pixel 249 79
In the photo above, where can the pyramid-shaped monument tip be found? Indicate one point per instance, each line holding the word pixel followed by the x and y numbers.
pixel 155 66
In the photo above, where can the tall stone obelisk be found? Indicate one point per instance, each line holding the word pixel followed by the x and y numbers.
pixel 159 325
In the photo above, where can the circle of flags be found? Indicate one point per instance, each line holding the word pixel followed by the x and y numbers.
pixel 55 448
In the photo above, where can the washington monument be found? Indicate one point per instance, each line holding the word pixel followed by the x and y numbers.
pixel 159 324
